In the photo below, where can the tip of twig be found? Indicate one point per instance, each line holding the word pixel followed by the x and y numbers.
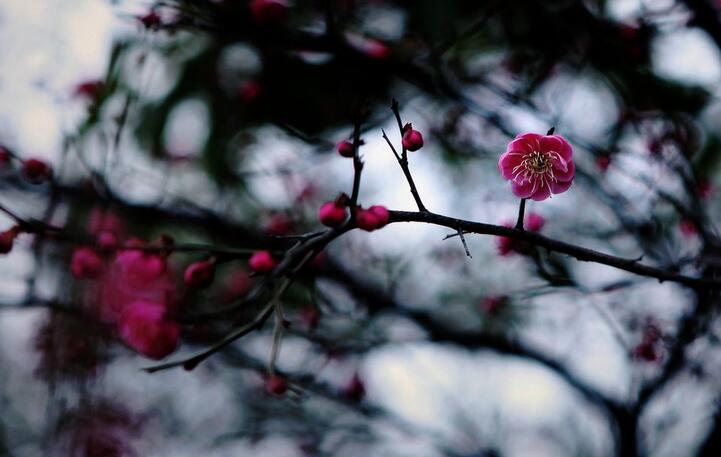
pixel 551 130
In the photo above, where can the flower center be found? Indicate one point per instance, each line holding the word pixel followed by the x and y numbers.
pixel 536 167
pixel 537 163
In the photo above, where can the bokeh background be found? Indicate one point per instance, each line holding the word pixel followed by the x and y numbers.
pixel 214 125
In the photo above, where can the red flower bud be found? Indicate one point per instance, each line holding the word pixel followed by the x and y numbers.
pixel 144 327
pixel 345 149
pixel 276 385
pixel 37 171
pixel 412 139
pixel 373 218
pixel 331 214
pixel 262 262
pixel 86 263
pixel 199 274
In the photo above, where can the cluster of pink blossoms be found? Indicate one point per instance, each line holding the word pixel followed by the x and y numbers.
pixel 131 288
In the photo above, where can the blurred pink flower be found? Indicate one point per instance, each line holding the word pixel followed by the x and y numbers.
pixel 535 222
pixel 538 165
pixel 86 263
pixel 144 327
pixel 133 275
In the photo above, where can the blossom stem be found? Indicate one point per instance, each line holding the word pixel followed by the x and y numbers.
pixel 521 214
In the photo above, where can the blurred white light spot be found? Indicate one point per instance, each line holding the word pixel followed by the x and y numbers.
pixel 687 55
pixel 187 128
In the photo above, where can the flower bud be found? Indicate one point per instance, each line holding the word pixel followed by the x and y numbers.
pixel 373 218
pixel 331 214
pixel 262 262
pixel 345 149
pixel 412 139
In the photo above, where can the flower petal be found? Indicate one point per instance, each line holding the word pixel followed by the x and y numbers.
pixel 559 144
pixel 523 145
pixel 559 163
pixel 523 189
pixel 567 175
pixel 560 187
pixel 508 162
pixel 542 193
pixel 531 137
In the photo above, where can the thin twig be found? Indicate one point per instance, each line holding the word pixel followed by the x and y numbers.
pixel 357 167
pixel 521 214
pixel 403 157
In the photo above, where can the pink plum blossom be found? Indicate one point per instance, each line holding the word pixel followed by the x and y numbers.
pixel 538 165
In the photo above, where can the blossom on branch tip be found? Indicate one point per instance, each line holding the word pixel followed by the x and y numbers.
pixel 262 262
pixel 345 148
pixel 412 139
pixel 332 214
pixel 538 165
